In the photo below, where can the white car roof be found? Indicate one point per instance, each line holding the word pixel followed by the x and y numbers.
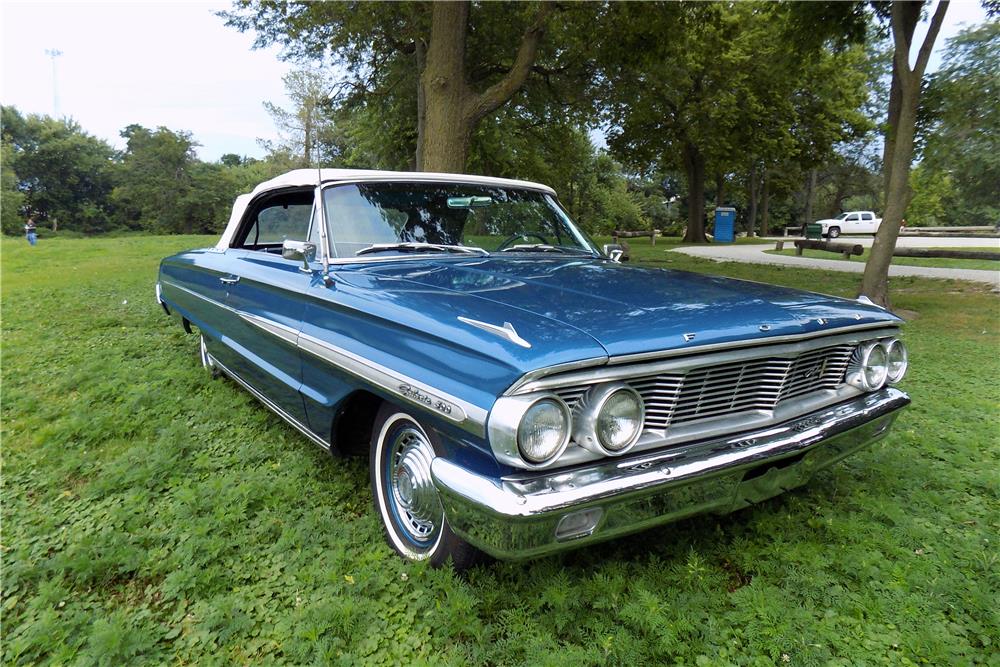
pixel 313 177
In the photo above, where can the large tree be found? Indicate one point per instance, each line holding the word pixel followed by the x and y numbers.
pixel 464 61
pixel 902 118
pixel 731 87
pixel 306 127
pixel 961 153
pixel 63 173
pixel 161 185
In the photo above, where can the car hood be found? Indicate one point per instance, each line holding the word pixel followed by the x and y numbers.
pixel 627 310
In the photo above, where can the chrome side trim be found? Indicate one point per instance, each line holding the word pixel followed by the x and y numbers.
pixel 302 428
pixel 753 342
pixel 218 304
pixel 517 516
pixel 470 417
pixel 553 370
pixel 276 329
pixel 507 331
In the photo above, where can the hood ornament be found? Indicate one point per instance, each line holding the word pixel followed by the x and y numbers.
pixel 506 331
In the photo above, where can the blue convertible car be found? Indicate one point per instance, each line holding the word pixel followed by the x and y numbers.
pixel 518 390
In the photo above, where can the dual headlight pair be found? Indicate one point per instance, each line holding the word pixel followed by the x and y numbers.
pixel 876 363
pixel 607 420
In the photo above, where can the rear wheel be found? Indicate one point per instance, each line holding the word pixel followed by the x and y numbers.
pixel 404 494
pixel 833 232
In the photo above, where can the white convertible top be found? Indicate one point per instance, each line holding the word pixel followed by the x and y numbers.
pixel 313 177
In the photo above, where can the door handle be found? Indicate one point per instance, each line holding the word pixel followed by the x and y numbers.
pixel 230 281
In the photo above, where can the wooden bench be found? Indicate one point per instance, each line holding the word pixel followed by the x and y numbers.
pixel 652 234
pixel 845 249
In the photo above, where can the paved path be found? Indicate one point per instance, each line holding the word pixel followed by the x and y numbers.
pixel 755 254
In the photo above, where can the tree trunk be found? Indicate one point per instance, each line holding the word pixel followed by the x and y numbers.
pixel 720 190
pixel 694 166
pixel 420 55
pixel 446 130
pixel 807 210
pixel 754 193
pixel 909 16
pixel 765 210
pixel 875 283
pixel 307 140
pixel 451 109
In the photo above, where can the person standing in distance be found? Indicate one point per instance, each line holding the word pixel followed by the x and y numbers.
pixel 30 231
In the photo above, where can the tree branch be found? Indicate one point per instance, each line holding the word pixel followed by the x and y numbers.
pixel 497 94
pixel 930 38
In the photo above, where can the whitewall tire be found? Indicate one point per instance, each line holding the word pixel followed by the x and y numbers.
pixel 404 495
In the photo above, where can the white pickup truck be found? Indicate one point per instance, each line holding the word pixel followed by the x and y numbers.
pixel 851 222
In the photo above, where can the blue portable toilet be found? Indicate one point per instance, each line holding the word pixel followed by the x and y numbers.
pixel 725 222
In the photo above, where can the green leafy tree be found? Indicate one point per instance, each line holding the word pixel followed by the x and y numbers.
pixel 458 62
pixel 904 102
pixel 64 174
pixel 734 87
pixel 962 145
pixel 163 187
pixel 306 129
pixel 12 213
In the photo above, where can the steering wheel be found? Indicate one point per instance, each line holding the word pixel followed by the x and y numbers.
pixel 513 237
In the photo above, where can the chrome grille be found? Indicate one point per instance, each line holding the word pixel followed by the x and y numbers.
pixel 724 389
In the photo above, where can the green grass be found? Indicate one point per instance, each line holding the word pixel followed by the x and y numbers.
pixel 152 515
pixel 941 262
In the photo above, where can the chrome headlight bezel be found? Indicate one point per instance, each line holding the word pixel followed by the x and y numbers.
pixel 891 345
pixel 861 362
pixel 505 423
pixel 587 413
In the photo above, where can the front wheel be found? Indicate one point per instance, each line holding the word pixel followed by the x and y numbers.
pixel 404 494
pixel 833 232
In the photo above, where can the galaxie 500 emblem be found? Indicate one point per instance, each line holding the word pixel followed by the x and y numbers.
pixel 414 394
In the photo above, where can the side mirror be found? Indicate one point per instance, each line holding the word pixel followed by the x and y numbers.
pixel 299 250
pixel 614 251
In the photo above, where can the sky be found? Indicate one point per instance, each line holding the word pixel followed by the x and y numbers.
pixel 173 64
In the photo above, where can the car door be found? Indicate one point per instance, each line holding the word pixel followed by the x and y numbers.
pixel 867 224
pixel 852 224
pixel 267 294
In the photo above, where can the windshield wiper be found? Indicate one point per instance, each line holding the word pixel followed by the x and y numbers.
pixel 420 247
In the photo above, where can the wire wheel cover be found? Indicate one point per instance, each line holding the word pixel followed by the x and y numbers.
pixel 414 498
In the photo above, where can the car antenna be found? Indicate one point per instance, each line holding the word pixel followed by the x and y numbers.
pixel 324 251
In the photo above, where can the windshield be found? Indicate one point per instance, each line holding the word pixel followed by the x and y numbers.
pixel 842 216
pixel 398 218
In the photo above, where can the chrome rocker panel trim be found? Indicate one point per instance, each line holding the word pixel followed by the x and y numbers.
pixel 517 518
pixel 299 426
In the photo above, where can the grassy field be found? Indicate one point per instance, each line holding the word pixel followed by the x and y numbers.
pixel 983 264
pixel 153 515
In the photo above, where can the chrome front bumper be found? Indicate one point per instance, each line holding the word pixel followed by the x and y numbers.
pixel 519 516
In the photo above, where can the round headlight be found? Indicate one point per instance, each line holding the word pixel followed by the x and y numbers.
pixel 869 366
pixel 619 422
pixel 898 360
pixel 875 367
pixel 608 419
pixel 544 430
